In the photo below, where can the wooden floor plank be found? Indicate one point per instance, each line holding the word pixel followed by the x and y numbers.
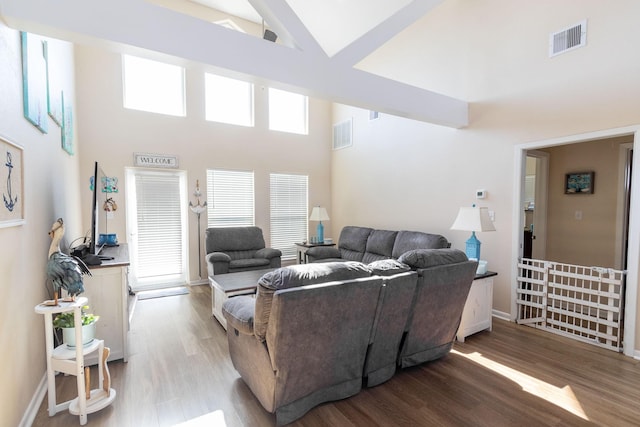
pixel 179 370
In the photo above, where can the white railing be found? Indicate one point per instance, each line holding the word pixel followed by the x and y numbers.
pixel 584 303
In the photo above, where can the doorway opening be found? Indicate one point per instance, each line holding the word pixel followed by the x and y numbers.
pixel 595 229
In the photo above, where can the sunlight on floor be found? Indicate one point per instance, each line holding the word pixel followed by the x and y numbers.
pixel 212 419
pixel 562 397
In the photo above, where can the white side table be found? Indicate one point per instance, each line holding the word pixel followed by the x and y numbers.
pixel 477 312
pixel 71 361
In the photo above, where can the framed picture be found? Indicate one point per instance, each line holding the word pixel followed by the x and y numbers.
pixel 34 80
pixel 54 91
pixel 67 126
pixel 579 183
pixel 11 184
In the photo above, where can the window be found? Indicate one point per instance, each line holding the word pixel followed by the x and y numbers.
pixel 288 112
pixel 156 221
pixel 153 86
pixel 230 198
pixel 228 100
pixel 289 212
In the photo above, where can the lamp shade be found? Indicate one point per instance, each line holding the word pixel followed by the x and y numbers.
pixel 473 219
pixel 319 214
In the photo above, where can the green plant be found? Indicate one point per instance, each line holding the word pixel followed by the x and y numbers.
pixel 65 320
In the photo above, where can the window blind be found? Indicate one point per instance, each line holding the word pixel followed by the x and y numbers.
pixel 159 224
pixel 289 212
pixel 230 197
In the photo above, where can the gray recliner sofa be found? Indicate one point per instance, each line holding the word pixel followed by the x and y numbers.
pixel 303 339
pixel 367 244
pixel 233 249
pixel 317 332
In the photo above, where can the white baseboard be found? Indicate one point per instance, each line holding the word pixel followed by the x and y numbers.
pixel 199 282
pixel 32 410
pixel 502 315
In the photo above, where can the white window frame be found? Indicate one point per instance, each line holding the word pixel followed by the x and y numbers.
pixel 289 201
pixel 228 100
pixel 288 112
pixel 153 86
pixel 230 198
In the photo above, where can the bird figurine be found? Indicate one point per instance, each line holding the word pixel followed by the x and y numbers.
pixel 64 271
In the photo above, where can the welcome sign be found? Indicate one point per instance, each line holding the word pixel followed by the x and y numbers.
pixel 155 160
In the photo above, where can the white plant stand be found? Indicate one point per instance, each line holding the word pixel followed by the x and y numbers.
pixel 71 361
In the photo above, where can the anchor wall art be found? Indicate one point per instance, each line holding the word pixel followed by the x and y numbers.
pixel 11 184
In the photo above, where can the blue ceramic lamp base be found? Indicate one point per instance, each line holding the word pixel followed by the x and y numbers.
pixel 473 247
pixel 320 232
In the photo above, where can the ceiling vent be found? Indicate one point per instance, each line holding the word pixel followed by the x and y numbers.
pixel 568 39
pixel 343 134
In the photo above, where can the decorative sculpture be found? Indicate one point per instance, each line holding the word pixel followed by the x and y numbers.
pixel 63 270
pixel 198 209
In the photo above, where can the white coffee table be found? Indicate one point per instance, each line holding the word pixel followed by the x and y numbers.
pixel 225 286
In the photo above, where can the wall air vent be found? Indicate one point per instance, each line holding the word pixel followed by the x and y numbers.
pixel 568 39
pixel 343 134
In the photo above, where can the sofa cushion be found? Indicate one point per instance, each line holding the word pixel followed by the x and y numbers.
pixel 299 275
pixel 410 240
pixel 353 242
pixel 388 267
pixel 379 245
pixel 425 258
pixel 249 263
pixel 227 239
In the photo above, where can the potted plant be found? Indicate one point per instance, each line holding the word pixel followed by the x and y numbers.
pixel 65 322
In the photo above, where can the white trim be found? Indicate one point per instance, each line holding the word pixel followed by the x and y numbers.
pixel 501 315
pixel 621 203
pixel 633 255
pixel 199 282
pixel 34 404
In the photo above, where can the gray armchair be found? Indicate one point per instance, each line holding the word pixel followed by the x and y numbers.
pixel 234 249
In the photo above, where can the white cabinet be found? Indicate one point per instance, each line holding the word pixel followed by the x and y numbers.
pixel 476 315
pixel 107 291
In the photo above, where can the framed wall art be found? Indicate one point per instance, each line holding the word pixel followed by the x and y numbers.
pixel 67 126
pixel 11 184
pixel 54 88
pixel 579 183
pixel 34 80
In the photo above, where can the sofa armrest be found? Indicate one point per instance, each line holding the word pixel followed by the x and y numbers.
pixel 268 253
pixel 239 312
pixel 322 252
pixel 218 257
pixel 217 263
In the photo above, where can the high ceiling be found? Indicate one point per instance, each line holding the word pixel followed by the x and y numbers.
pixel 320 43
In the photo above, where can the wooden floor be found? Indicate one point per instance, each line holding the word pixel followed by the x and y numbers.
pixel 179 373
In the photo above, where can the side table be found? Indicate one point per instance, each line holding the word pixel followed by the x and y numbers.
pixel 301 250
pixel 477 312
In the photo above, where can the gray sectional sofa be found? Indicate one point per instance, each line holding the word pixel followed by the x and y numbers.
pixel 317 332
pixel 367 244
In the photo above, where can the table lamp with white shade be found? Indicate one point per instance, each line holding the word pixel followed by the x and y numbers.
pixel 473 219
pixel 319 214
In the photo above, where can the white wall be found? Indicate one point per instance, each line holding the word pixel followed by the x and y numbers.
pixel 401 173
pixel 115 133
pixel 51 191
